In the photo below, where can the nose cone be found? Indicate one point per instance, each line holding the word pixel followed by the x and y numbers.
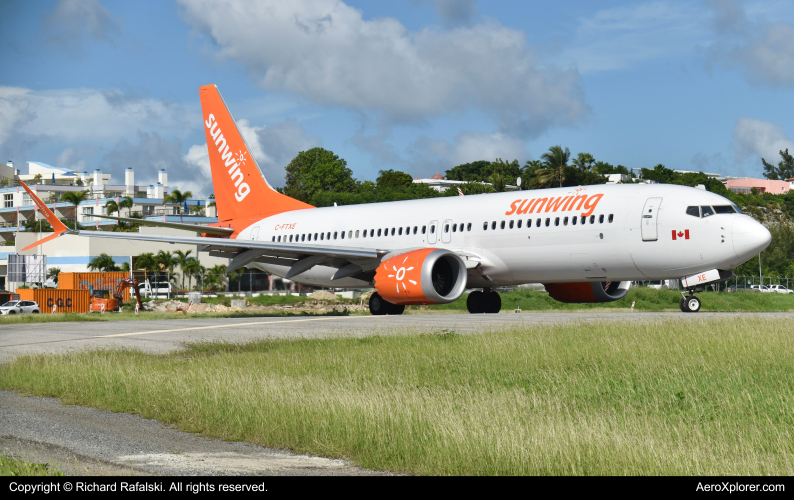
pixel 749 237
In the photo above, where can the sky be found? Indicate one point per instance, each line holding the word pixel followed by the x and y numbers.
pixel 412 85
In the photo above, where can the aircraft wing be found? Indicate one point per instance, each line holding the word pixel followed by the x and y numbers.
pixel 222 231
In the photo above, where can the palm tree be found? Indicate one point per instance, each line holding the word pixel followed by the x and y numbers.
pixel 554 162
pixel 181 258
pixel 52 273
pixel 111 206
pixel 193 267
pixel 218 275
pixel 146 262
pixel 103 262
pixel 177 196
pixel 584 161
pixel 75 198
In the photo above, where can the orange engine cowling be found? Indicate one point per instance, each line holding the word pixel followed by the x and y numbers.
pixel 596 291
pixel 426 276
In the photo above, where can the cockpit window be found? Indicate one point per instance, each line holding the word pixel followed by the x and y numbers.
pixel 693 211
pixel 736 209
pixel 706 211
pixel 723 209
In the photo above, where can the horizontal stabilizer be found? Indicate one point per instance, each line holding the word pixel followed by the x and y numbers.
pixel 222 231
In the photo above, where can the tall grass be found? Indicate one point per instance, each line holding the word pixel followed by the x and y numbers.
pixel 695 397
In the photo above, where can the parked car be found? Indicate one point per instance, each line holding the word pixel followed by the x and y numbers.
pixel 20 307
pixel 779 289
pixel 155 289
pixel 760 288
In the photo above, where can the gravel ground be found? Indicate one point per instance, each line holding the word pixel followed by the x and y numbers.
pixel 85 441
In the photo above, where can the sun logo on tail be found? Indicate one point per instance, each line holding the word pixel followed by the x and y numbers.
pixel 241 157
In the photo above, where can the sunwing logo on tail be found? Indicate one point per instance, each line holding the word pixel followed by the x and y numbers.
pixel 232 161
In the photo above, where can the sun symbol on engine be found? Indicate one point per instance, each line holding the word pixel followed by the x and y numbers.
pixel 400 274
pixel 241 157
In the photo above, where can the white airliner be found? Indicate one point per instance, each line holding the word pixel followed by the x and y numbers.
pixel 585 244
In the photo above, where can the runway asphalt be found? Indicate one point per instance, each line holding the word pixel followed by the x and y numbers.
pixel 166 335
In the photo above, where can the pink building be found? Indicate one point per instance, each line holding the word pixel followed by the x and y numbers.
pixel 763 185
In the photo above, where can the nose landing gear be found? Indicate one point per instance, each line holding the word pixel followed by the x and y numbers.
pixel 689 304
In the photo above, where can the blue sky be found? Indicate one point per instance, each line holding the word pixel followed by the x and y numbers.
pixel 418 86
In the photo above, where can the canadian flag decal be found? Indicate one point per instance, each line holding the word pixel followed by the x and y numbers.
pixel 681 234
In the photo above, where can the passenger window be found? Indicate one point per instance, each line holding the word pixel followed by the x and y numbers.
pixel 584 220
pixel 423 229
pixel 573 220
pixel 493 225
pixel 279 239
pixel 557 221
pixel 321 236
pixel 400 232
pixel 537 223
pixel 693 211
pixel 511 224
pixel 706 211
pixel 468 227
pixel 365 233
pixel 529 223
pixel 611 217
pixel 484 226
pixel 350 234
pixel 290 238
pixel 371 233
pixel 392 231
pixel 519 223
pixel 335 235
pixel 315 236
pixel 356 233
pixel 601 219
pixel 454 228
pixel 432 229
pixel 274 238
pixel 592 219
pixel 415 229
pixel 565 221
pixel 446 228
pixel 548 221
pixel 379 232
pixel 723 209
pixel 303 237
pixel 329 235
pixel 502 225
pixel 408 230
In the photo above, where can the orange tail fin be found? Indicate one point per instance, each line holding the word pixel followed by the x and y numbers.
pixel 57 225
pixel 241 192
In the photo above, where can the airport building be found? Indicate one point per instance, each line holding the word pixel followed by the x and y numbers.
pixel 19 216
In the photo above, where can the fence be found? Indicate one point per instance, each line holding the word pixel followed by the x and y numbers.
pixel 735 284
pixel 167 285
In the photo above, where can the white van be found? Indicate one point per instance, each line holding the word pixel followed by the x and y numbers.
pixel 155 289
pixel 780 289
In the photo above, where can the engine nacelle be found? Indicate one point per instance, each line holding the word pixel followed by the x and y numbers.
pixel 591 291
pixel 426 276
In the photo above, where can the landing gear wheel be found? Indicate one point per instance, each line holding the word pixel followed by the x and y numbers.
pixel 378 306
pixel 693 304
pixel 494 304
pixel 394 309
pixel 682 305
pixel 475 303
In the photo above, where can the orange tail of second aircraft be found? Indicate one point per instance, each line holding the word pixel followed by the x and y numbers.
pixel 57 226
pixel 241 192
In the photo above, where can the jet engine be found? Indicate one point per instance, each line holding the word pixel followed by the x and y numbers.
pixel 595 291
pixel 426 276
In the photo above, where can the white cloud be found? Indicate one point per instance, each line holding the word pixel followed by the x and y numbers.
pixel 273 147
pixel 324 51
pixel 456 12
pixel 619 37
pixel 71 21
pixel 758 138
pixel 431 156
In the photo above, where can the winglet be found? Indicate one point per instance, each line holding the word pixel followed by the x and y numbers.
pixel 57 225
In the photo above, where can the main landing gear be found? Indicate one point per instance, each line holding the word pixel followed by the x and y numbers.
pixel 689 304
pixel 379 307
pixel 485 301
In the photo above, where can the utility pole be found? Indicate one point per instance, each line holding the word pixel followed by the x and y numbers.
pixel 760 273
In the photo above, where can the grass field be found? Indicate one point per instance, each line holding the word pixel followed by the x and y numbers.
pixel 696 397
pixel 13 467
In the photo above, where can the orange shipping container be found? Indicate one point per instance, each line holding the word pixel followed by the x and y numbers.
pixel 76 301
pixel 93 281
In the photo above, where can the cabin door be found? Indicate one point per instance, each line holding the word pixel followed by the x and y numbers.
pixel 650 219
